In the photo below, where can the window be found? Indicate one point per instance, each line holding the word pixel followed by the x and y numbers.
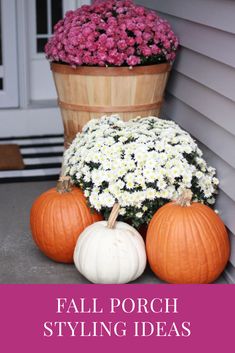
pixel 48 13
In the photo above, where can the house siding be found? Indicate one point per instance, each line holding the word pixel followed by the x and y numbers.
pixel 201 91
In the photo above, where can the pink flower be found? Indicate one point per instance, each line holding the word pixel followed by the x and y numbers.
pixel 74 40
pixel 86 58
pixel 147 36
pixel 62 56
pixel 122 26
pixel 155 49
pixel 151 16
pixel 130 51
pixel 120 9
pixel 87 31
pixel 59 46
pixel 103 38
pixel 110 43
pixel 141 26
pixel 146 51
pixel 139 40
pixel 138 33
pixel 102 56
pixel 167 44
pixel 131 41
pixel 133 60
pixel 130 25
pixel 122 44
pixel 112 33
pixel 140 10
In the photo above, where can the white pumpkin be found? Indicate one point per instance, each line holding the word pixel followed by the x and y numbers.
pixel 110 252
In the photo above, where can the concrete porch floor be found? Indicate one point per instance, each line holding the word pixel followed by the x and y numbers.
pixel 20 259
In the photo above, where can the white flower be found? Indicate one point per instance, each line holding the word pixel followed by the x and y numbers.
pixel 199 174
pixel 149 174
pixel 120 184
pixel 130 185
pixel 139 178
pixel 122 211
pixel 97 177
pixel 207 194
pixel 94 200
pixel 211 170
pixel 136 162
pixel 78 174
pixel 187 149
pixel 161 184
pixel 129 177
pixel 215 181
pixel 174 172
pixel 87 177
pixel 164 194
pixel 150 194
pixel 73 170
pixel 106 199
pixel 86 193
pixel 211 201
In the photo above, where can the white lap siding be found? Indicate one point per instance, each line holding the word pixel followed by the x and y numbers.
pixel 201 90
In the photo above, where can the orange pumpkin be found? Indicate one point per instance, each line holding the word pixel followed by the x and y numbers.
pixel 187 242
pixel 57 218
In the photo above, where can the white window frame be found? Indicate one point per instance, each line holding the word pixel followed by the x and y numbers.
pixel 34 55
pixel 9 95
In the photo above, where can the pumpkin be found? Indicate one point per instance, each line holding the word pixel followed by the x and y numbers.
pixel 187 242
pixel 57 218
pixel 110 252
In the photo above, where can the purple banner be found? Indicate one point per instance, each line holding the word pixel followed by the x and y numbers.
pixel 183 318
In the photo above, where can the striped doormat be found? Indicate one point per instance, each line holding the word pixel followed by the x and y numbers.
pixel 42 156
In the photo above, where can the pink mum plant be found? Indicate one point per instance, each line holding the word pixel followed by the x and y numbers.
pixel 112 33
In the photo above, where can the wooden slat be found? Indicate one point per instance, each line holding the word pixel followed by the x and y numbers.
pixel 211 42
pixel 225 172
pixel 213 13
pixel 229 273
pixel 232 244
pixel 206 101
pixel 109 108
pixel 217 139
pixel 226 207
pixel 206 71
pixel 110 71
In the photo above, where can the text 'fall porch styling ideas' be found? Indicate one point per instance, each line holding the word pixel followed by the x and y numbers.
pixel 139 317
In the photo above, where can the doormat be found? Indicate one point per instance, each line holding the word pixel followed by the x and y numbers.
pixel 10 157
pixel 42 158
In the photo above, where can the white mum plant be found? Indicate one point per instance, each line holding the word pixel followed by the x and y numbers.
pixel 141 164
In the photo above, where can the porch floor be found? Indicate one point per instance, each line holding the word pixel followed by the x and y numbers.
pixel 20 259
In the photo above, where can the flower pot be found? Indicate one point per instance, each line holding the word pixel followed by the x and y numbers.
pixel 87 92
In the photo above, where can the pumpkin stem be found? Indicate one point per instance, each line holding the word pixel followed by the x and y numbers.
pixel 63 185
pixel 113 216
pixel 185 198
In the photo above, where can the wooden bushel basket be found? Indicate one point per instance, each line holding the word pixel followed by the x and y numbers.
pixel 86 92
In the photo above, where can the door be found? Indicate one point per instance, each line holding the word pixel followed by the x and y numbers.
pixel 8 55
pixel 43 15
